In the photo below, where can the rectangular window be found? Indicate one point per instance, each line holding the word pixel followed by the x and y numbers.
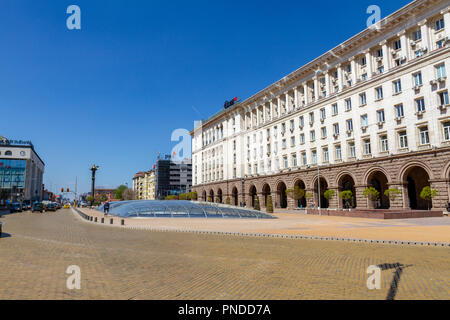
pixel 418 79
pixel 294 160
pixel 323 114
pixel 283 144
pixel 304 159
pixel 336 128
pixel 334 108
pixel 326 157
pixel 363 99
pixel 403 139
pixel 380 115
pixel 285 163
pixel 348 104
pixel 367 147
pixel 292 141
pixel 352 149
pixel 397 45
pixel 384 143
pixel 446 128
pixel 399 111
pixel 302 121
pixel 417 35
pixel 364 121
pixel 363 61
pixel 314 156
pixel 350 125
pixel 443 98
pixel 440 24
pixel 338 153
pixel 302 138
pixel 424 137
pixel 379 53
pixel 420 105
pixel 379 93
pixel 440 71
pixel 324 132
pixel 313 135
pixel 397 86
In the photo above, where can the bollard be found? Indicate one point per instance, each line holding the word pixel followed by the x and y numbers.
pixel 122 222
pixel 103 220
pixel 111 221
pixel 95 219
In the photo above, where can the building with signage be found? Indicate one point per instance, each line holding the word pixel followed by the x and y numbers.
pixel 372 112
pixel 172 177
pixel 144 185
pixel 21 171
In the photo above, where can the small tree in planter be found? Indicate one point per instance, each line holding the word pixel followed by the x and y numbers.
pixel 257 206
pixel 182 196
pixel 296 194
pixel 218 200
pixel 372 194
pixel 209 199
pixel 269 205
pixel 228 201
pixel 308 197
pixel 392 194
pixel 346 195
pixel 329 194
pixel 194 196
pixel 428 194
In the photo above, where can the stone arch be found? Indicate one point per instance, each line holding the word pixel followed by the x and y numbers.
pixel 204 196
pixel 266 192
pixel 220 195
pixel 301 203
pixel 370 172
pixel 211 195
pixel 281 201
pixel 411 164
pixel 235 196
pixel 253 193
pixel 324 184
pixel 380 181
pixel 415 177
pixel 346 181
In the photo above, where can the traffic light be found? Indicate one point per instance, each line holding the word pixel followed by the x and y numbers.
pixel 62 190
pixel 67 189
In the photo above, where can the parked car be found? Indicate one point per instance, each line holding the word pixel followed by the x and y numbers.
pixel 15 207
pixel 50 207
pixel 37 206
pixel 67 206
pixel 58 205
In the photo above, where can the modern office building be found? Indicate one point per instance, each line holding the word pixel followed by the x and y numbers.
pixel 172 177
pixel 144 185
pixel 372 112
pixel 21 171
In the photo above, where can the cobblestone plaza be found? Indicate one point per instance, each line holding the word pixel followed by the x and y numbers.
pixel 122 263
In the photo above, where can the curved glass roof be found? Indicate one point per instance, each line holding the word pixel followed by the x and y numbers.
pixel 181 209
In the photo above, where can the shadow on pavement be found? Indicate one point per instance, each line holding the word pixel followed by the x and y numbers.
pixel 398 267
pixel 5 235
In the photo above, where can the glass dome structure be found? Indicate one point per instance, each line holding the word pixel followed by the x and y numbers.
pixel 181 209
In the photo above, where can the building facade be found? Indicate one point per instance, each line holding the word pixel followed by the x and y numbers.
pixel 172 177
pixel 21 171
pixel 372 112
pixel 144 185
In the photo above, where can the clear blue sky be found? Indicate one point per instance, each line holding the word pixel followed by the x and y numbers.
pixel 113 92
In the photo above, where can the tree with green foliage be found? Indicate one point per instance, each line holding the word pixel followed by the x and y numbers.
pixel 257 206
pixel 372 194
pixel 296 194
pixel 182 196
pixel 218 200
pixel 119 192
pixel 194 196
pixel 269 205
pixel 346 195
pixel 428 194
pixel 228 201
pixel 209 199
pixel 171 198
pixel 392 193
pixel 329 194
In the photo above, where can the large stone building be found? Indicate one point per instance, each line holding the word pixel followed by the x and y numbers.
pixel 144 185
pixel 21 171
pixel 374 111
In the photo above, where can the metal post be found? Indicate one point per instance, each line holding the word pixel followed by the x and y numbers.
pixel 93 169
pixel 318 185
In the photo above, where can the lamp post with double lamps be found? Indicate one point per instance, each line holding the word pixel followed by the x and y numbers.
pixel 93 170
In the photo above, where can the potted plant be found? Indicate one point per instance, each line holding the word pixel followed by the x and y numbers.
pixel 329 194
pixel 269 205
pixel 296 194
pixel 346 195
pixel 372 195
pixel 228 201
pixel 257 206
pixel 428 194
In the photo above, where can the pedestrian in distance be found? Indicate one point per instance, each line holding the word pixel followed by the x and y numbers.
pixel 106 208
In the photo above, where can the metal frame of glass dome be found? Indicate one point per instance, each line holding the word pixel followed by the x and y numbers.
pixel 181 209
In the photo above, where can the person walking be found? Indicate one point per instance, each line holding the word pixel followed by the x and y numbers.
pixel 106 208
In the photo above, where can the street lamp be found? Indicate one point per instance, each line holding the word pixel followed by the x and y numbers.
pixel 93 169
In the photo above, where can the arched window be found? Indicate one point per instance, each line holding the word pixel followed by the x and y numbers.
pixel 8 153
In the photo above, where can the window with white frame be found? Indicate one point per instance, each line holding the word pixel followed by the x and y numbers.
pixel 399 113
pixel 304 159
pixel 367 147
pixel 397 86
pixel 277 163
pixel 335 109
pixel 424 137
pixel 443 98
pixel 420 105
pixel 363 99
pixel 446 130
pixel 323 114
pixel 418 79
pixel 292 125
pixel 364 120
pixel 294 160
pixel 324 132
pixel 292 141
pixel 380 116
pixel 384 143
pixel 313 135
pixel 314 156
pixel 336 128
pixel 397 44
pixel 417 35
pixel 440 24
pixel 379 93
pixel 440 71
pixel 311 118
pixel 403 139
pixel 302 138
pixel 348 104
pixel 338 152
pixel 285 162
pixel 350 125
pixel 352 149
pixel 302 121
pixel 326 157
pixel 283 144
